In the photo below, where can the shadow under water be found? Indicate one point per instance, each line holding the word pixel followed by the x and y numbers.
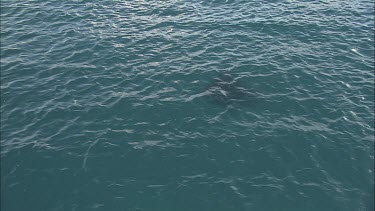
pixel 226 90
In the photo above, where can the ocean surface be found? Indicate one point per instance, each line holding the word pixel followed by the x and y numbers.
pixel 187 105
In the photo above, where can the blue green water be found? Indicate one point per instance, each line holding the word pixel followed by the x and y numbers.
pixel 187 105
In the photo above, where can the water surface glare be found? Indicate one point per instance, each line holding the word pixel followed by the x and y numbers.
pixel 189 105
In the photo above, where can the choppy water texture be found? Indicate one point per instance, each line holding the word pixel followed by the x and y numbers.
pixel 187 105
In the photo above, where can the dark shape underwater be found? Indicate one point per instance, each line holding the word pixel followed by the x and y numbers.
pixel 225 90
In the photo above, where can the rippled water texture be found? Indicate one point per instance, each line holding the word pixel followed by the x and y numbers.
pixel 187 105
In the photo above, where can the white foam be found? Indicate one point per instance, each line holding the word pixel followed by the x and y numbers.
pixel 356 51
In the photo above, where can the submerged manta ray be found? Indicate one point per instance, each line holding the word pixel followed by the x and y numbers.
pixel 226 90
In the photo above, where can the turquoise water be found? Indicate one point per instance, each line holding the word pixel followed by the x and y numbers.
pixel 187 105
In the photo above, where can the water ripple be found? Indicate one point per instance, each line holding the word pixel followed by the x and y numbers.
pixel 187 105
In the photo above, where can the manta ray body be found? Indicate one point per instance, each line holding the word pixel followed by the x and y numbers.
pixel 226 90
